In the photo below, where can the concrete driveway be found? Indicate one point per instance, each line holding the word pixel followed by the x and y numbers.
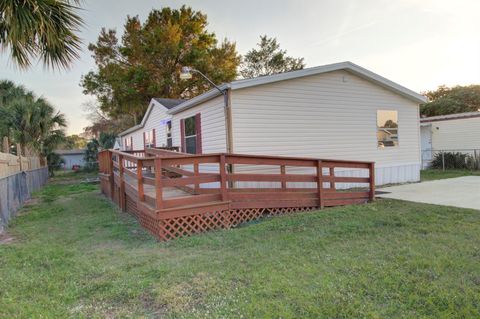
pixel 459 192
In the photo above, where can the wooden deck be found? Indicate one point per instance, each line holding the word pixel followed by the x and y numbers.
pixel 175 194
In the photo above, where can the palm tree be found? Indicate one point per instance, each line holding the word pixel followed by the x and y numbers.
pixel 45 29
pixel 35 125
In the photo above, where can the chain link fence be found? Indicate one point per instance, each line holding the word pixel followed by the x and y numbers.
pixel 17 188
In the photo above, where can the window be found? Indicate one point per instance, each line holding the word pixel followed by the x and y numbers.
pixel 128 144
pixel 190 135
pixel 169 134
pixel 149 138
pixel 387 128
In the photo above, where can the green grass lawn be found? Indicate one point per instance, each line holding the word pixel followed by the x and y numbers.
pixel 434 174
pixel 75 255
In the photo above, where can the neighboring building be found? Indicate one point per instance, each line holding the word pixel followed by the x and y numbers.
pixel 72 157
pixel 153 130
pixel 337 111
pixel 454 132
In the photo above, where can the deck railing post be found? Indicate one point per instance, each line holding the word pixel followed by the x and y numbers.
pixel 195 173
pixel 121 195
pixel 283 172
pixel 371 169
pixel 158 183
pixel 111 177
pixel 321 201
pixel 332 175
pixel 223 178
pixel 141 195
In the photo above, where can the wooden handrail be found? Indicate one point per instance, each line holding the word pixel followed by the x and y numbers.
pixel 179 170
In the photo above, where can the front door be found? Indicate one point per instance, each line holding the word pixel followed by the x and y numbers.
pixel 426 143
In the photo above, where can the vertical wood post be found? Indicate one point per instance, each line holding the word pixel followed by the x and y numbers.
pixel 283 172
pixel 121 195
pixel 20 168
pixel 158 183
pixel 372 181
pixel 321 201
pixel 195 173
pixel 141 194
pixel 332 175
pixel 223 178
pixel 110 171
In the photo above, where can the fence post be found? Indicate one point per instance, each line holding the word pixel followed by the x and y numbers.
pixel 321 201
pixel 158 183
pixel 223 178
pixel 141 194
pixel 121 195
pixel 371 169
pixel 443 161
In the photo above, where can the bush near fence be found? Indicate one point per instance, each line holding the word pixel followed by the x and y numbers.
pixel 454 160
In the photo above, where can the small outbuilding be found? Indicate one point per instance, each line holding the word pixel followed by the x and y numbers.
pixel 72 158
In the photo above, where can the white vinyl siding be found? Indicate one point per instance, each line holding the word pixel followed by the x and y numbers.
pixel 157 120
pixel 212 125
pixel 137 139
pixel 456 134
pixel 332 116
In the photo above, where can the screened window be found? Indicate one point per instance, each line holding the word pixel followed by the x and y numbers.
pixel 387 128
pixel 190 135
pixel 169 134
pixel 150 139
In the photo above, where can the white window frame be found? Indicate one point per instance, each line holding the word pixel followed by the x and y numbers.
pixel 395 141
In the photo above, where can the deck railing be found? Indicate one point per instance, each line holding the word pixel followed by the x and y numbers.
pixel 170 184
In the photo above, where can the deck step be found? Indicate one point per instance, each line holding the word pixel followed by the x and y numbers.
pixel 193 209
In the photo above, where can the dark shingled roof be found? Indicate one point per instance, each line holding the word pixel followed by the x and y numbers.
pixel 168 103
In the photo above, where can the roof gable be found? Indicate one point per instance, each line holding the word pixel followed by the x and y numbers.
pixel 159 102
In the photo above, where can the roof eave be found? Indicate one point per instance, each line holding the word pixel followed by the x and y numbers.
pixel 213 93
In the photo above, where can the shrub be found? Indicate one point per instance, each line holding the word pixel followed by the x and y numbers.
pixel 452 160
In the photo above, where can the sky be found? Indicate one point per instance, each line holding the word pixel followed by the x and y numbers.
pixel 420 44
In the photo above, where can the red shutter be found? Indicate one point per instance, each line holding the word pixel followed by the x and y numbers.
pixel 198 129
pixel 154 142
pixel 131 143
pixel 182 135
pixel 144 141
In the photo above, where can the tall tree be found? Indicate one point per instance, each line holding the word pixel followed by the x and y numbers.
pixel 45 29
pixel 268 59
pixel 147 60
pixel 457 99
pixel 35 124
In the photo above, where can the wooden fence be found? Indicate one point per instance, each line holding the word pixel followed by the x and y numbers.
pixel 11 164
pixel 175 194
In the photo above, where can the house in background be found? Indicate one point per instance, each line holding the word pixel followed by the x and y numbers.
pixel 338 111
pixel 454 132
pixel 72 157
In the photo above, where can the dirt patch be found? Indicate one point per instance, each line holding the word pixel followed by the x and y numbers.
pixel 6 238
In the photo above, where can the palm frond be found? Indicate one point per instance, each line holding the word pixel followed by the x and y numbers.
pixel 45 29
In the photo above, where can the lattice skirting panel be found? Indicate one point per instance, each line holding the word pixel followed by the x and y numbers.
pixel 172 228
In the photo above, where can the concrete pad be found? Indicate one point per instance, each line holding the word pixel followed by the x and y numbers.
pixel 459 192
